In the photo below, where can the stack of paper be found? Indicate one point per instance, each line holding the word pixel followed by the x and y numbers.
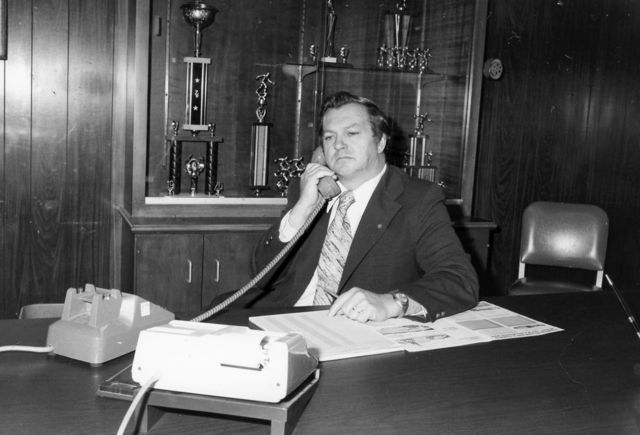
pixel 338 337
pixel 329 337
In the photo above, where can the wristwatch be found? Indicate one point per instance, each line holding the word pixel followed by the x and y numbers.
pixel 402 300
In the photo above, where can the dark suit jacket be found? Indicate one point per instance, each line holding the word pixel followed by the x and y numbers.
pixel 404 242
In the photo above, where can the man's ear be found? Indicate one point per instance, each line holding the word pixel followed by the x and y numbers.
pixel 382 143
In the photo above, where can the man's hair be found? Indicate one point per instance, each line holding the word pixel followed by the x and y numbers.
pixel 379 122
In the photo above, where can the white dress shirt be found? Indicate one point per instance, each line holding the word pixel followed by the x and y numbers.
pixel 362 195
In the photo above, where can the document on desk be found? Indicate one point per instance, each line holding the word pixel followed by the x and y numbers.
pixel 499 323
pixel 339 337
pixel 485 322
pixel 329 337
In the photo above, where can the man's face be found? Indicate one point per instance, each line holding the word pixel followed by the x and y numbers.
pixel 350 148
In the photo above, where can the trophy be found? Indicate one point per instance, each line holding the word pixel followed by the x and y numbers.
pixel 419 159
pixel 427 171
pixel 174 139
pixel 194 168
pixel 329 53
pixel 260 138
pixel 287 169
pixel 199 15
pixel 394 52
pixel 344 54
pixel 313 53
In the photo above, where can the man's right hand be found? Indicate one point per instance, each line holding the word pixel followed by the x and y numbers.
pixel 309 194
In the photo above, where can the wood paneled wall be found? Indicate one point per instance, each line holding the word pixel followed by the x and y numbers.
pixel 56 119
pixel 563 123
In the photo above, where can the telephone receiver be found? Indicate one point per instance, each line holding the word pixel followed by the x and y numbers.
pixel 328 189
pixel 327 186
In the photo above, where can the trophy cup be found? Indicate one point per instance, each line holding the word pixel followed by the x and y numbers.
pixel 396 37
pixel 260 137
pixel 199 15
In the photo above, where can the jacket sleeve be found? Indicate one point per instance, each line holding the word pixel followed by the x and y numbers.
pixel 448 283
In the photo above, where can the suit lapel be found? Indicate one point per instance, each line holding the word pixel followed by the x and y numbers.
pixel 381 209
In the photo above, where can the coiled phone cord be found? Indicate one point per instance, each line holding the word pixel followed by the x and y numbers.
pixel 224 304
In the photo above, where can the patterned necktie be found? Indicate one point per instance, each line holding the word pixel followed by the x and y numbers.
pixel 334 252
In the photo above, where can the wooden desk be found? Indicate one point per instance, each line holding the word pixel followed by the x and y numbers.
pixel 578 381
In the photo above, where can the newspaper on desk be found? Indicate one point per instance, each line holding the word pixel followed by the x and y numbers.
pixel 338 337
pixel 485 322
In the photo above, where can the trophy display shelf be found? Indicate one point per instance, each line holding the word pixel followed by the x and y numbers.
pixel 204 199
pixel 304 69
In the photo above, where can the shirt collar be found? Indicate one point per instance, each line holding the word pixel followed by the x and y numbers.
pixel 362 193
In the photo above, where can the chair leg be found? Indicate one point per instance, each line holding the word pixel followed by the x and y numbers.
pixel 521 270
pixel 599 276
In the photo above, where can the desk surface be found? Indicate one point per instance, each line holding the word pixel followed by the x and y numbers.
pixel 580 380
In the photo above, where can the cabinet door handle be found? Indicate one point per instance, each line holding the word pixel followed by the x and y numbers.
pixel 189 275
pixel 217 278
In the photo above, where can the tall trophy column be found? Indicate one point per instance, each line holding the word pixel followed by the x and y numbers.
pixel 200 15
pixel 260 138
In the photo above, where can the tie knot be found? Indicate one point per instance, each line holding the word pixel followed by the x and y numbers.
pixel 345 200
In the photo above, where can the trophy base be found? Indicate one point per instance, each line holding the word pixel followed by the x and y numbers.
pixel 422 172
pixel 329 59
pixel 336 64
pixel 257 190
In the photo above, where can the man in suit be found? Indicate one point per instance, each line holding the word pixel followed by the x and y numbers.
pixel 403 256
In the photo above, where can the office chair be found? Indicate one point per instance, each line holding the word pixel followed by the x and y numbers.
pixel 40 311
pixel 562 235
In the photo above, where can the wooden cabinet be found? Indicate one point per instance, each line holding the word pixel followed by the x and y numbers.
pixel 168 270
pixel 184 272
pixel 227 260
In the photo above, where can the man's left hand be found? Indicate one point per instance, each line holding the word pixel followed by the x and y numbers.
pixel 363 305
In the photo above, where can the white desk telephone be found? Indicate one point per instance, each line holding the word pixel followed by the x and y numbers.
pixel 98 325
pixel 222 360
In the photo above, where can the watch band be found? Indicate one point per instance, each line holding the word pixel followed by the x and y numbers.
pixel 402 300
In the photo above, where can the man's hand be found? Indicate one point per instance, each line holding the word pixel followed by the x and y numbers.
pixel 308 193
pixel 362 305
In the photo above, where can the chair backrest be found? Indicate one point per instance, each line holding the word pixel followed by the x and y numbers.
pixel 564 235
pixel 40 311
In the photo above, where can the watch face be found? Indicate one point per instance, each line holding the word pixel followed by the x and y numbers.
pixel 403 300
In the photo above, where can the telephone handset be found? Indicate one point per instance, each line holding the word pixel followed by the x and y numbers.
pixel 328 189
pixel 327 186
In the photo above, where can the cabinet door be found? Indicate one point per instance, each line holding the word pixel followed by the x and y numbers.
pixel 168 270
pixel 226 263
